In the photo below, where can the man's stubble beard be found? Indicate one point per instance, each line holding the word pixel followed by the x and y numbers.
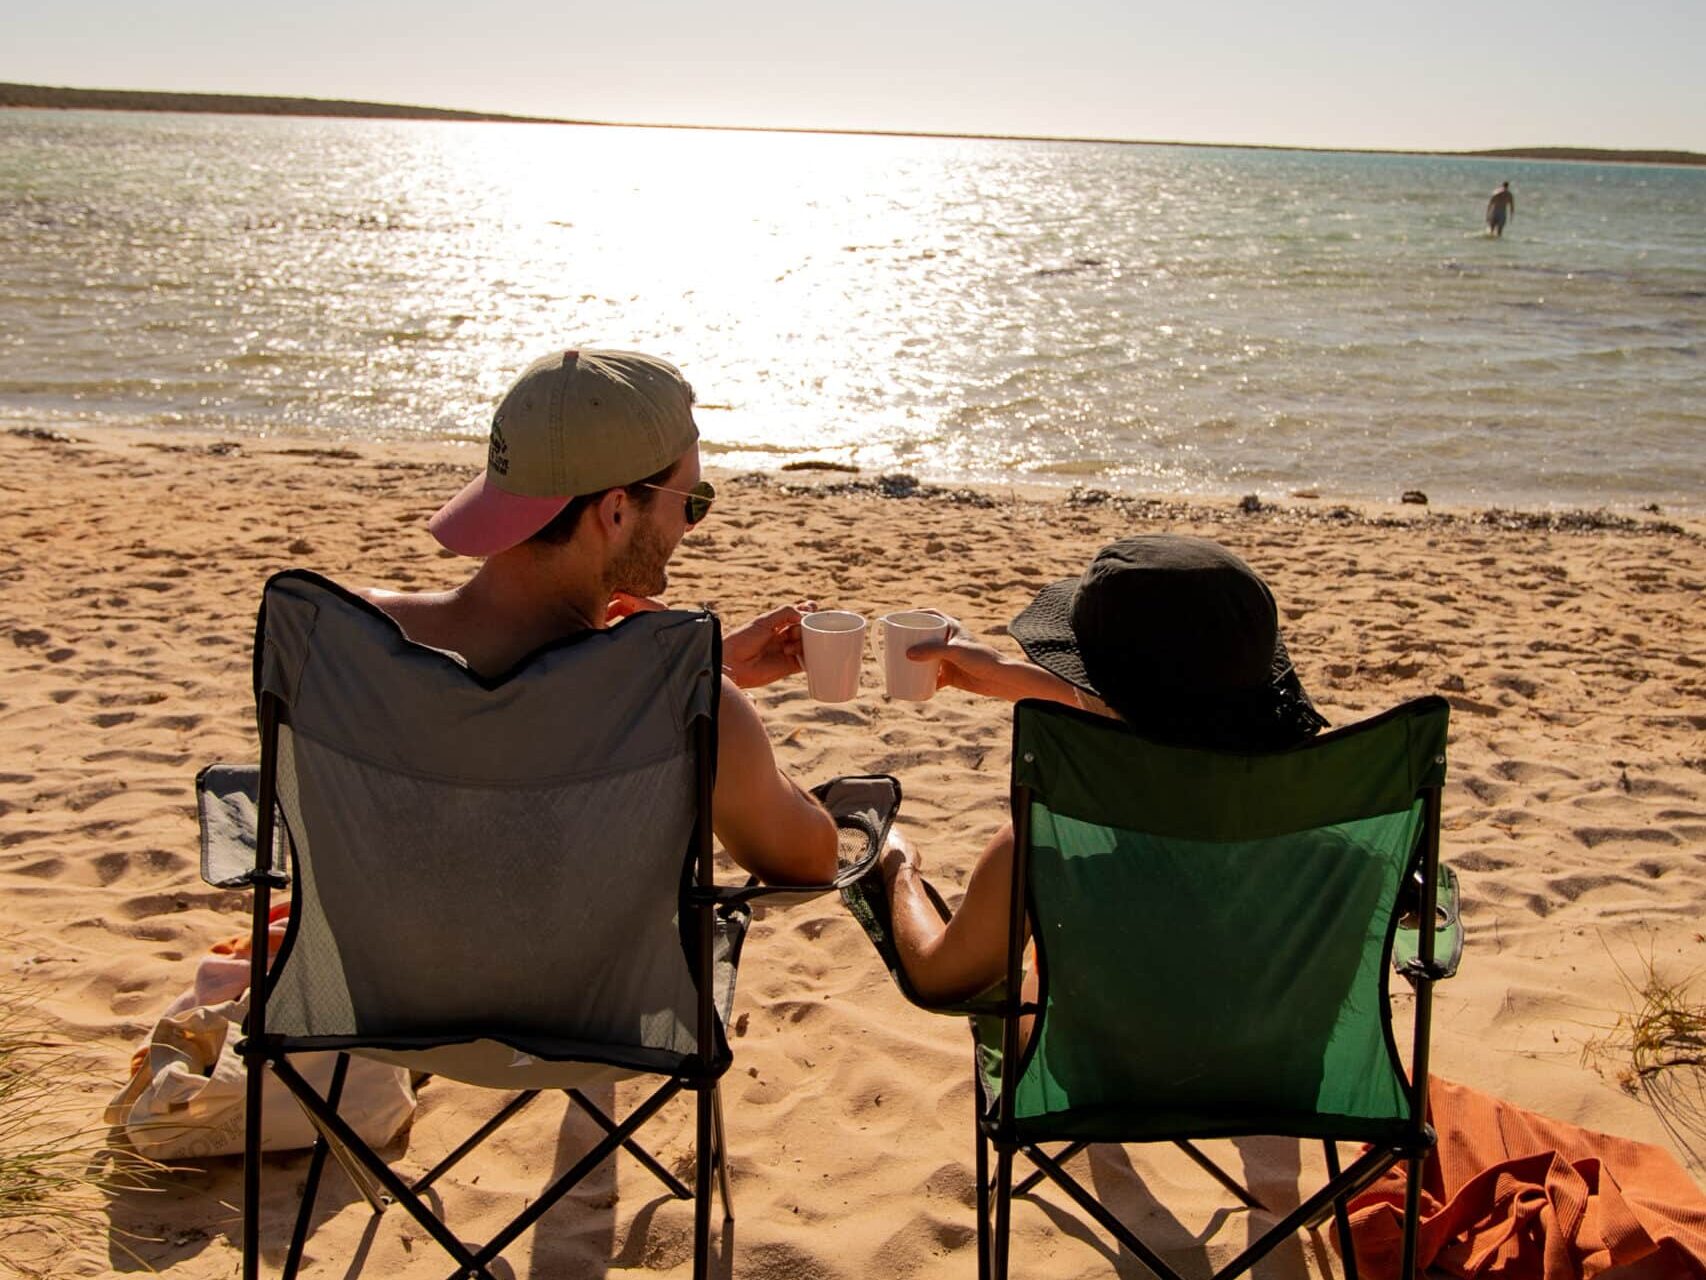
pixel 642 568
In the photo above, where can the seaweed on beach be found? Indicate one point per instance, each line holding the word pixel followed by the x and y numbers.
pixel 1569 522
pixel 42 435
pixel 1251 508
pixel 890 485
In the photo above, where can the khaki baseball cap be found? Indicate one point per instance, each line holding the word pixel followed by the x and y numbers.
pixel 575 422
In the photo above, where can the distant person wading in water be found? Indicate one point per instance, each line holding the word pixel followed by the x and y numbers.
pixel 1500 210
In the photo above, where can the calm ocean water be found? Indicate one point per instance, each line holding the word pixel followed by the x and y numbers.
pixel 1144 318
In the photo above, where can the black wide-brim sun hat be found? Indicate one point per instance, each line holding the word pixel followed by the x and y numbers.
pixel 1179 637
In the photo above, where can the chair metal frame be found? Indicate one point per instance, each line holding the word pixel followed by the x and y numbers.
pixel 379 1184
pixel 996 1122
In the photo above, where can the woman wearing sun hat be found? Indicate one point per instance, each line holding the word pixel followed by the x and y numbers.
pixel 1174 635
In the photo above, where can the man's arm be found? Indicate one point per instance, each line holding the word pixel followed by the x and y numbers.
pixel 768 825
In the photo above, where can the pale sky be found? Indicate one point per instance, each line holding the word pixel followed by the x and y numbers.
pixel 1425 74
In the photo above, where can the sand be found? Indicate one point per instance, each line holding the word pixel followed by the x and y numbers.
pixel 1575 813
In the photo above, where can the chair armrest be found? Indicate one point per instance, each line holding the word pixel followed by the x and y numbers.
pixel 227 806
pixel 1448 930
pixel 867 901
pixel 863 804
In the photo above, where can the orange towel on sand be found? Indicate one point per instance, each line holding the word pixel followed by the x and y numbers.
pixel 1515 1195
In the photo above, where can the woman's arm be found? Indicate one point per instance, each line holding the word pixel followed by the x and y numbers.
pixel 967 954
pixel 979 669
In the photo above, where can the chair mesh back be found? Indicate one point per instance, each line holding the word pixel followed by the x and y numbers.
pixel 498 860
pixel 1213 929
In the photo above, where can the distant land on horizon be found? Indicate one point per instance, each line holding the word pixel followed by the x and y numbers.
pixel 67 99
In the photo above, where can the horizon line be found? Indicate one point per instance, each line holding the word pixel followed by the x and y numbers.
pixel 57 97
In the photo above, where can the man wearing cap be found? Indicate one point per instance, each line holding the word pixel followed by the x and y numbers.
pixel 1176 636
pixel 592 478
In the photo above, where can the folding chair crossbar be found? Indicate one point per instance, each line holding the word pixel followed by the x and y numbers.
pixel 677 1187
pixel 1191 1149
pixel 473 1140
pixel 587 1163
pixel 1220 1175
pixel 1036 1175
pixel 1361 1173
pixel 316 1166
pixel 1094 1207
pixel 1328 1198
pixel 329 1143
pixel 337 1136
pixel 339 1132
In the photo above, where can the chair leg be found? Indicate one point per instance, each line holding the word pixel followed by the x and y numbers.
pixel 1003 1207
pixel 316 1166
pixel 255 1068
pixel 1341 1219
pixel 982 1141
pixel 702 1189
pixel 722 1155
pixel 1412 1216
pixel 474 1140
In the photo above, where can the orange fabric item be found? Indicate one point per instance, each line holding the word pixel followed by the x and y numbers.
pixel 1520 1196
pixel 243 943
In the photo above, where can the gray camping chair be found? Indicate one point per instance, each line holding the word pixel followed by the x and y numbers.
pixel 507 882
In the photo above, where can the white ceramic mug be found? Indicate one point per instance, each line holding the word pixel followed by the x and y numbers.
pixel 911 679
pixel 832 642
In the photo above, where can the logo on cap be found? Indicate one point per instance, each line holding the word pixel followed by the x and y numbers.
pixel 497 456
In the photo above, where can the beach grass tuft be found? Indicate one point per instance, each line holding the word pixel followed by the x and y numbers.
pixel 1658 1052
pixel 56 1169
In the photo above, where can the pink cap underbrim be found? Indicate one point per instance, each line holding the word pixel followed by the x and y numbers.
pixel 483 520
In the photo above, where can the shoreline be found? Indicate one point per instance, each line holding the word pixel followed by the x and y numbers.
pixel 64 98
pixel 462 457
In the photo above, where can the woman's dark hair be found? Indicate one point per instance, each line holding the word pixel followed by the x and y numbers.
pixel 563 524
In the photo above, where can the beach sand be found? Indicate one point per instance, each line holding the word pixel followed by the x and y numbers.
pixel 1575 813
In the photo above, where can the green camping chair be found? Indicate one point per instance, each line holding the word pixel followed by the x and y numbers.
pixel 1213 937
pixel 507 882
pixel 1213 934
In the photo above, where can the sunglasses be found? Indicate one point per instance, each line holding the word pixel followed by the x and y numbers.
pixel 699 499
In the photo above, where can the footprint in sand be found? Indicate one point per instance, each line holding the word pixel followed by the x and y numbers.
pixel 87 797
pixel 1526 772
pixel 1593 837
pixel 111 867
pixel 1484 791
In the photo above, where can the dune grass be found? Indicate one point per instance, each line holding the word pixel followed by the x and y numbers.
pixel 56 1169
pixel 1658 1052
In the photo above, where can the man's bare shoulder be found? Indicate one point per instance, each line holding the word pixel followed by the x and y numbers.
pixel 427 617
